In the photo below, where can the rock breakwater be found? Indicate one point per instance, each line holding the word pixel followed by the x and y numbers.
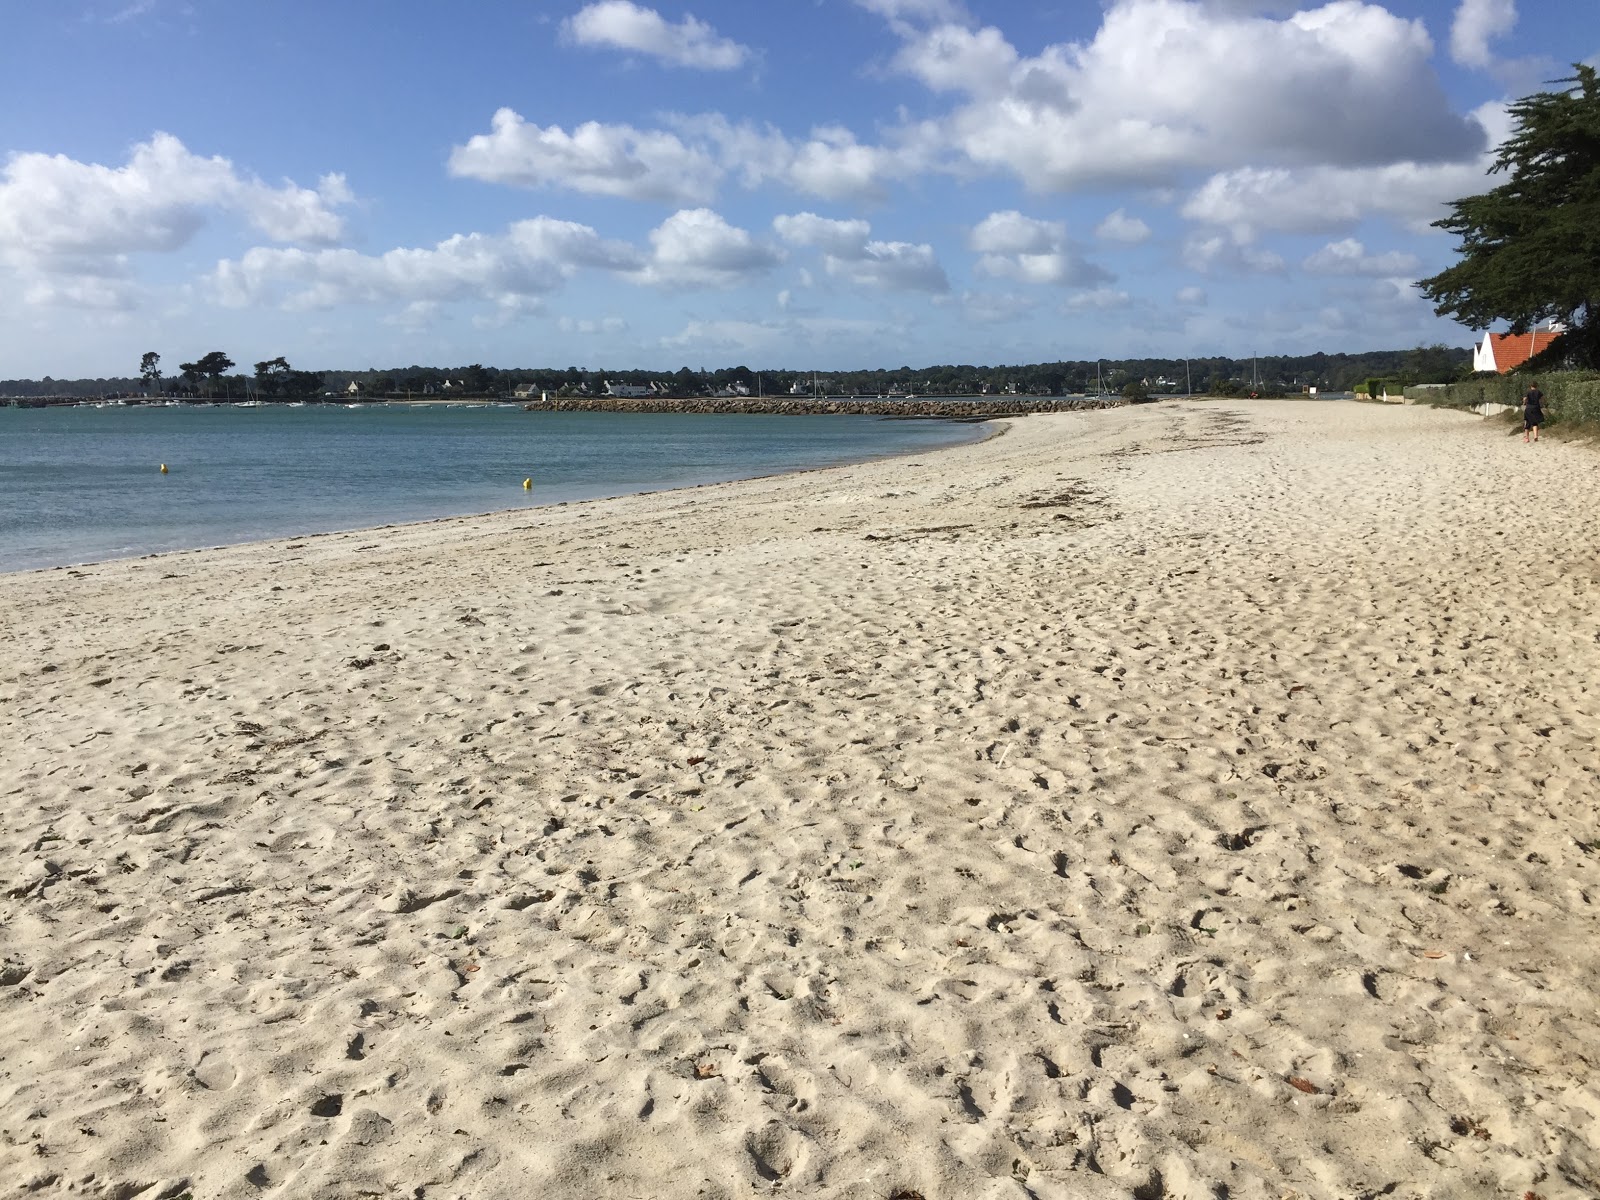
pixel 806 406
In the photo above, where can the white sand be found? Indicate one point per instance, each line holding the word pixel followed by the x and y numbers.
pixel 869 832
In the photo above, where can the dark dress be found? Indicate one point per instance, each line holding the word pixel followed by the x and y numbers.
pixel 1533 409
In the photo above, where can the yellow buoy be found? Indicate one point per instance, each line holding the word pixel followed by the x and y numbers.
pixel 527 484
pixel 163 468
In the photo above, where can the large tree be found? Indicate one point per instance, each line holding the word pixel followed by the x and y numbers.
pixel 272 376
pixel 150 370
pixel 212 366
pixel 1530 248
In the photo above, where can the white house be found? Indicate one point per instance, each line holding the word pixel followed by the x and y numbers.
pixel 1504 352
pixel 628 391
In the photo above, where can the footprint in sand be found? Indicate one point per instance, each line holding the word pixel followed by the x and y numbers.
pixel 215 1074
pixel 777 1075
pixel 776 1151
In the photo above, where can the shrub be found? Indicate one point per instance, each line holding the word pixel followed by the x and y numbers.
pixel 1569 396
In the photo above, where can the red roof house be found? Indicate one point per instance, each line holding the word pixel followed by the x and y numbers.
pixel 1505 352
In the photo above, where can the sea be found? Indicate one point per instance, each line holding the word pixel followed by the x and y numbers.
pixel 83 484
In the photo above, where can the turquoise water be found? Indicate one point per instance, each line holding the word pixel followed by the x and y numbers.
pixel 84 484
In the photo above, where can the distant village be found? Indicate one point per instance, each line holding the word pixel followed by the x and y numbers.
pixel 213 379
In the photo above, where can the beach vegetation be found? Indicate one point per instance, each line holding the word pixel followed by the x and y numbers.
pixel 1571 398
pixel 1530 248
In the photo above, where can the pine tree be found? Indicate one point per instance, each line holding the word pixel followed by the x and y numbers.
pixel 1530 248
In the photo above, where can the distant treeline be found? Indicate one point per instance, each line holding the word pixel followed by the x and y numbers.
pixel 1326 372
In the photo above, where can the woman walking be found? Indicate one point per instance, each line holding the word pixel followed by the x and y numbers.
pixel 1532 411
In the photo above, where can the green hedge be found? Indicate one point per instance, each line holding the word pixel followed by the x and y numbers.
pixel 1569 396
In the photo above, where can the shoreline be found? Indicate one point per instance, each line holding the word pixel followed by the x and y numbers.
pixel 1139 801
pixel 997 429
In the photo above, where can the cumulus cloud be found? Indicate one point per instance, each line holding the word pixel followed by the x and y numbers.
pixel 603 160
pixel 530 259
pixel 1350 257
pixel 1120 227
pixel 697 248
pixel 52 205
pixel 1351 85
pixel 1215 251
pixel 1011 234
pixel 1330 200
pixel 1013 246
pixel 892 266
pixel 626 26
pixel 828 162
pixel 949 58
pixel 847 238
pixel 1476 24
pixel 849 253
pixel 1191 297
pixel 68 226
pixel 684 164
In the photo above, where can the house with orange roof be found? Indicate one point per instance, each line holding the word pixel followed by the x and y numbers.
pixel 1505 352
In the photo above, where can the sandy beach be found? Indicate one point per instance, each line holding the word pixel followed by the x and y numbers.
pixel 1192 800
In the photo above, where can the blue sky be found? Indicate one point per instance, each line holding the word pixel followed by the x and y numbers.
pixel 812 184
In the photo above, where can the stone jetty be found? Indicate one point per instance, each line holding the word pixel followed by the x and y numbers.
pixel 981 409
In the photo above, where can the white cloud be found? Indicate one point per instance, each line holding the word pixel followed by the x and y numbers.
pixel 604 160
pixel 833 165
pixel 130 12
pixel 949 58
pixel 1120 227
pixel 1212 251
pixel 1351 84
pixel 81 291
pixel 697 248
pixel 729 337
pixel 685 166
pixel 830 236
pixel 828 162
pixel 1013 246
pixel 1254 8
pixel 1350 257
pixel 67 227
pixel 1191 297
pixel 848 253
pixel 901 13
pixel 1476 24
pixel 1100 298
pixel 415 317
pixel 55 206
pixel 892 266
pixel 1011 233
pixel 1331 200
pixel 532 258
pixel 626 26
